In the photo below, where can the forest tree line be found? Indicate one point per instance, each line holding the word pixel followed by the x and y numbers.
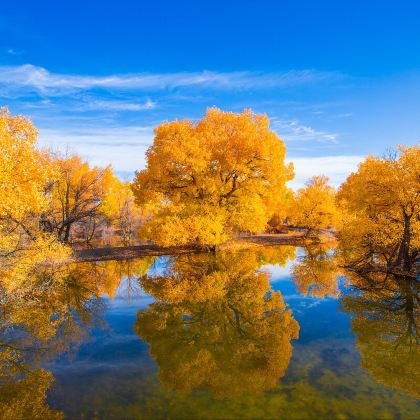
pixel 204 183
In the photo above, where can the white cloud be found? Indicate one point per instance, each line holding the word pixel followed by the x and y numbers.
pixel 39 79
pixel 293 130
pixel 12 51
pixel 337 168
pixel 123 147
pixel 110 105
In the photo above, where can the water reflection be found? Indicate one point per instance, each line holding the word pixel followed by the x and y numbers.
pixel 218 333
pixel 315 273
pixel 36 327
pixel 385 315
pixel 52 316
pixel 218 324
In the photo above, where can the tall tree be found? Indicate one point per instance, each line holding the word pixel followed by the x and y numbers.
pixel 225 173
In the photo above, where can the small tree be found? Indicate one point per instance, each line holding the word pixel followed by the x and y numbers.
pixel 76 197
pixel 313 207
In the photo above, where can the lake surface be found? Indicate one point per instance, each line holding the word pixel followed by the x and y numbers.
pixel 273 333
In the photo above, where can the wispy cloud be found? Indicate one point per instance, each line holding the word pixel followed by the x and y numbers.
pixel 38 79
pixel 293 130
pixel 12 51
pixel 111 105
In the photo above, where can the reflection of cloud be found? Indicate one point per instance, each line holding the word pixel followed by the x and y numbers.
pixel 277 272
pixel 293 130
pixel 33 78
pixel 337 168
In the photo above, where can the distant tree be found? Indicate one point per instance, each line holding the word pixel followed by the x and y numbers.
pixel 121 210
pixel 313 207
pixel 205 181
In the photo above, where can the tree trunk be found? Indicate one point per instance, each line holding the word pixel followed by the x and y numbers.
pixel 403 258
pixel 67 233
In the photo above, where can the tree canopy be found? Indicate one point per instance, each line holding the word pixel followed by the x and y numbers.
pixel 313 207
pixel 225 173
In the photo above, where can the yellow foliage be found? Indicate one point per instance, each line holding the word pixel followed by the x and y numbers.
pixel 119 207
pixel 77 195
pixel 207 180
pixel 25 174
pixel 313 207
pixel 380 206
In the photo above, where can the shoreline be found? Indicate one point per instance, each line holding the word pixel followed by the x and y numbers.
pixel 296 238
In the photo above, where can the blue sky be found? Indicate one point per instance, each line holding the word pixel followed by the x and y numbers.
pixel 339 79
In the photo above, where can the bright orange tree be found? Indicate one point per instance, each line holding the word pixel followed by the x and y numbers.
pixel 225 173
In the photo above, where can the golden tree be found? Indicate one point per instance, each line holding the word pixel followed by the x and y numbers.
pixel 77 196
pixel 225 173
pixel 313 207
pixel 25 174
pixel 381 211
pixel 217 324
pixel 120 209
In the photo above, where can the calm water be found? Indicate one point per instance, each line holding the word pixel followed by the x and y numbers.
pixel 205 337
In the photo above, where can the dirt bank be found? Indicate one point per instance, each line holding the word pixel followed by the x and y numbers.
pixel 122 253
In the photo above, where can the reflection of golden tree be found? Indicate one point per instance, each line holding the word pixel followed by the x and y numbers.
pixel 37 324
pixel 316 272
pixel 275 254
pixel 217 324
pixel 385 316
pixel 104 277
pixel 25 399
